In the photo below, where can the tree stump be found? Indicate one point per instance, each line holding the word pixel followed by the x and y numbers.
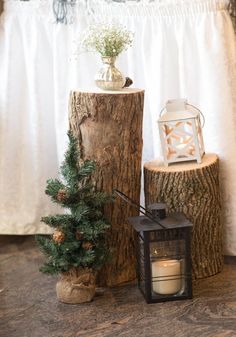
pixel 108 127
pixel 193 189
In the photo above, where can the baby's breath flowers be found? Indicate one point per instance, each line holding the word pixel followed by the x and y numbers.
pixel 109 40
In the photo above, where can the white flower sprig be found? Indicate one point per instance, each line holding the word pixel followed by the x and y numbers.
pixel 109 40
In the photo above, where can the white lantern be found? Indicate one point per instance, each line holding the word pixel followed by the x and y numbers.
pixel 181 132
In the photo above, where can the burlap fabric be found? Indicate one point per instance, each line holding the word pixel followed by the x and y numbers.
pixel 76 286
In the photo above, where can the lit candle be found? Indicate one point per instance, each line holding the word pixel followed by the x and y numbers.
pixel 180 146
pixel 166 274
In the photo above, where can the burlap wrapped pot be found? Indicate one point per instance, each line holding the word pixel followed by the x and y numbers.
pixel 76 286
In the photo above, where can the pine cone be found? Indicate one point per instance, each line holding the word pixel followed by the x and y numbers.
pixel 58 236
pixel 62 195
pixel 79 235
pixel 87 245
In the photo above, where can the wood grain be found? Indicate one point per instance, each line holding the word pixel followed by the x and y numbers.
pixel 193 189
pixel 108 127
pixel 1 6
pixel 29 308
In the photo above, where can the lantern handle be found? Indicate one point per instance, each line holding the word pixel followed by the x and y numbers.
pixel 203 117
pixel 160 113
pixel 141 209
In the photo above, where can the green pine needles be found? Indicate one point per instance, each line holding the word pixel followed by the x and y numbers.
pixel 78 238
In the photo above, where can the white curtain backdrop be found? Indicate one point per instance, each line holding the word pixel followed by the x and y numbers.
pixel 182 49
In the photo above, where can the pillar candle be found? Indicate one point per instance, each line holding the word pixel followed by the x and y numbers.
pixel 166 271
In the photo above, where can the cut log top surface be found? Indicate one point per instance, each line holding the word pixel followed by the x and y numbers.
pixel 94 90
pixel 158 165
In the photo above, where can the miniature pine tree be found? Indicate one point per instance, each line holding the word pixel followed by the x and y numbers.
pixel 78 238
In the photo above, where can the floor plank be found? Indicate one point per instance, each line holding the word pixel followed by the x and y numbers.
pixel 29 308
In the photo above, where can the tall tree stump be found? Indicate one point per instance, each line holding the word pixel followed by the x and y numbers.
pixel 108 126
pixel 193 189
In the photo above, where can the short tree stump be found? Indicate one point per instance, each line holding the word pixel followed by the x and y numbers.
pixel 193 189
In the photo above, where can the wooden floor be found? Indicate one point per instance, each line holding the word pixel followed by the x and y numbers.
pixel 29 308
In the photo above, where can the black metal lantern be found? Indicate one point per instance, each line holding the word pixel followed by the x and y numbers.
pixel 163 253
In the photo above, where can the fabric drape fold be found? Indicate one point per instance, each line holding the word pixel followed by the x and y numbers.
pixel 181 49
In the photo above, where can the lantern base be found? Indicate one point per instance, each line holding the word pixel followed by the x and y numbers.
pixel 155 298
pixel 182 159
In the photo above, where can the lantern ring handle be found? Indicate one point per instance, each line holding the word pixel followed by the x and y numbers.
pixel 203 117
pixel 162 111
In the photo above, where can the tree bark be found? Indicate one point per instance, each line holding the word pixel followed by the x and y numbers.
pixel 108 126
pixel 1 6
pixel 193 189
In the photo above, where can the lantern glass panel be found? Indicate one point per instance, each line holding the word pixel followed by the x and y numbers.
pixel 168 268
pixel 179 138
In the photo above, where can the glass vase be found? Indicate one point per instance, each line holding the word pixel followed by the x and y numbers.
pixel 109 77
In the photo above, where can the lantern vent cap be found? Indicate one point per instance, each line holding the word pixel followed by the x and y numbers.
pixel 157 206
pixel 178 109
